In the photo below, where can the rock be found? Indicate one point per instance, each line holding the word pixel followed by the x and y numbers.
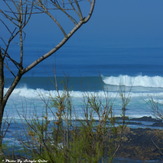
pixel 143 144
pixel 158 124
pixel 146 118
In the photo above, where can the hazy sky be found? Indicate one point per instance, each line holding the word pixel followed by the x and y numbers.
pixel 122 20
pixel 112 21
pixel 127 20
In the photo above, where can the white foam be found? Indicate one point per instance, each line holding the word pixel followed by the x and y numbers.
pixel 38 93
pixel 142 81
pixel 155 100
pixel 35 106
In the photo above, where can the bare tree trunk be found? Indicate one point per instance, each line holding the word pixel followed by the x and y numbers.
pixel 4 98
pixel 1 86
pixel 1 99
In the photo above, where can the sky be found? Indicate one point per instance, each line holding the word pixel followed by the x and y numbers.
pixel 115 21
pixel 127 20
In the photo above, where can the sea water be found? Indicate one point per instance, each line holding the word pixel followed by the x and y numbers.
pixel 86 68
pixel 105 71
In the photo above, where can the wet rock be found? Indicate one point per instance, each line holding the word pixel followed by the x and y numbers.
pixel 143 144
pixel 158 124
pixel 146 118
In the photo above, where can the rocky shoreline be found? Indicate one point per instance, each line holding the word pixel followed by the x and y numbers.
pixel 144 142
pixel 153 122
pixel 143 139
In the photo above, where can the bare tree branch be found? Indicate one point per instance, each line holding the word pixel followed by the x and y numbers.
pixel 79 10
pixel 65 39
pixel 45 9
pixel 72 5
pixel 64 11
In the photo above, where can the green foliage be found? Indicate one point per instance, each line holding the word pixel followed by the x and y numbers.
pixel 62 141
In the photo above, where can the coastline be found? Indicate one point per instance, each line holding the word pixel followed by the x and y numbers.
pixel 142 144
pixel 139 122
pixel 142 140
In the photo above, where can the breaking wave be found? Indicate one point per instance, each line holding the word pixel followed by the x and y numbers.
pixel 28 93
pixel 141 81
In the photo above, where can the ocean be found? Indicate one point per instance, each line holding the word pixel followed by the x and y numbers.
pixel 105 70
pixel 87 68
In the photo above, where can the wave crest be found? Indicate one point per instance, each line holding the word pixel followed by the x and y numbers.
pixel 141 81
